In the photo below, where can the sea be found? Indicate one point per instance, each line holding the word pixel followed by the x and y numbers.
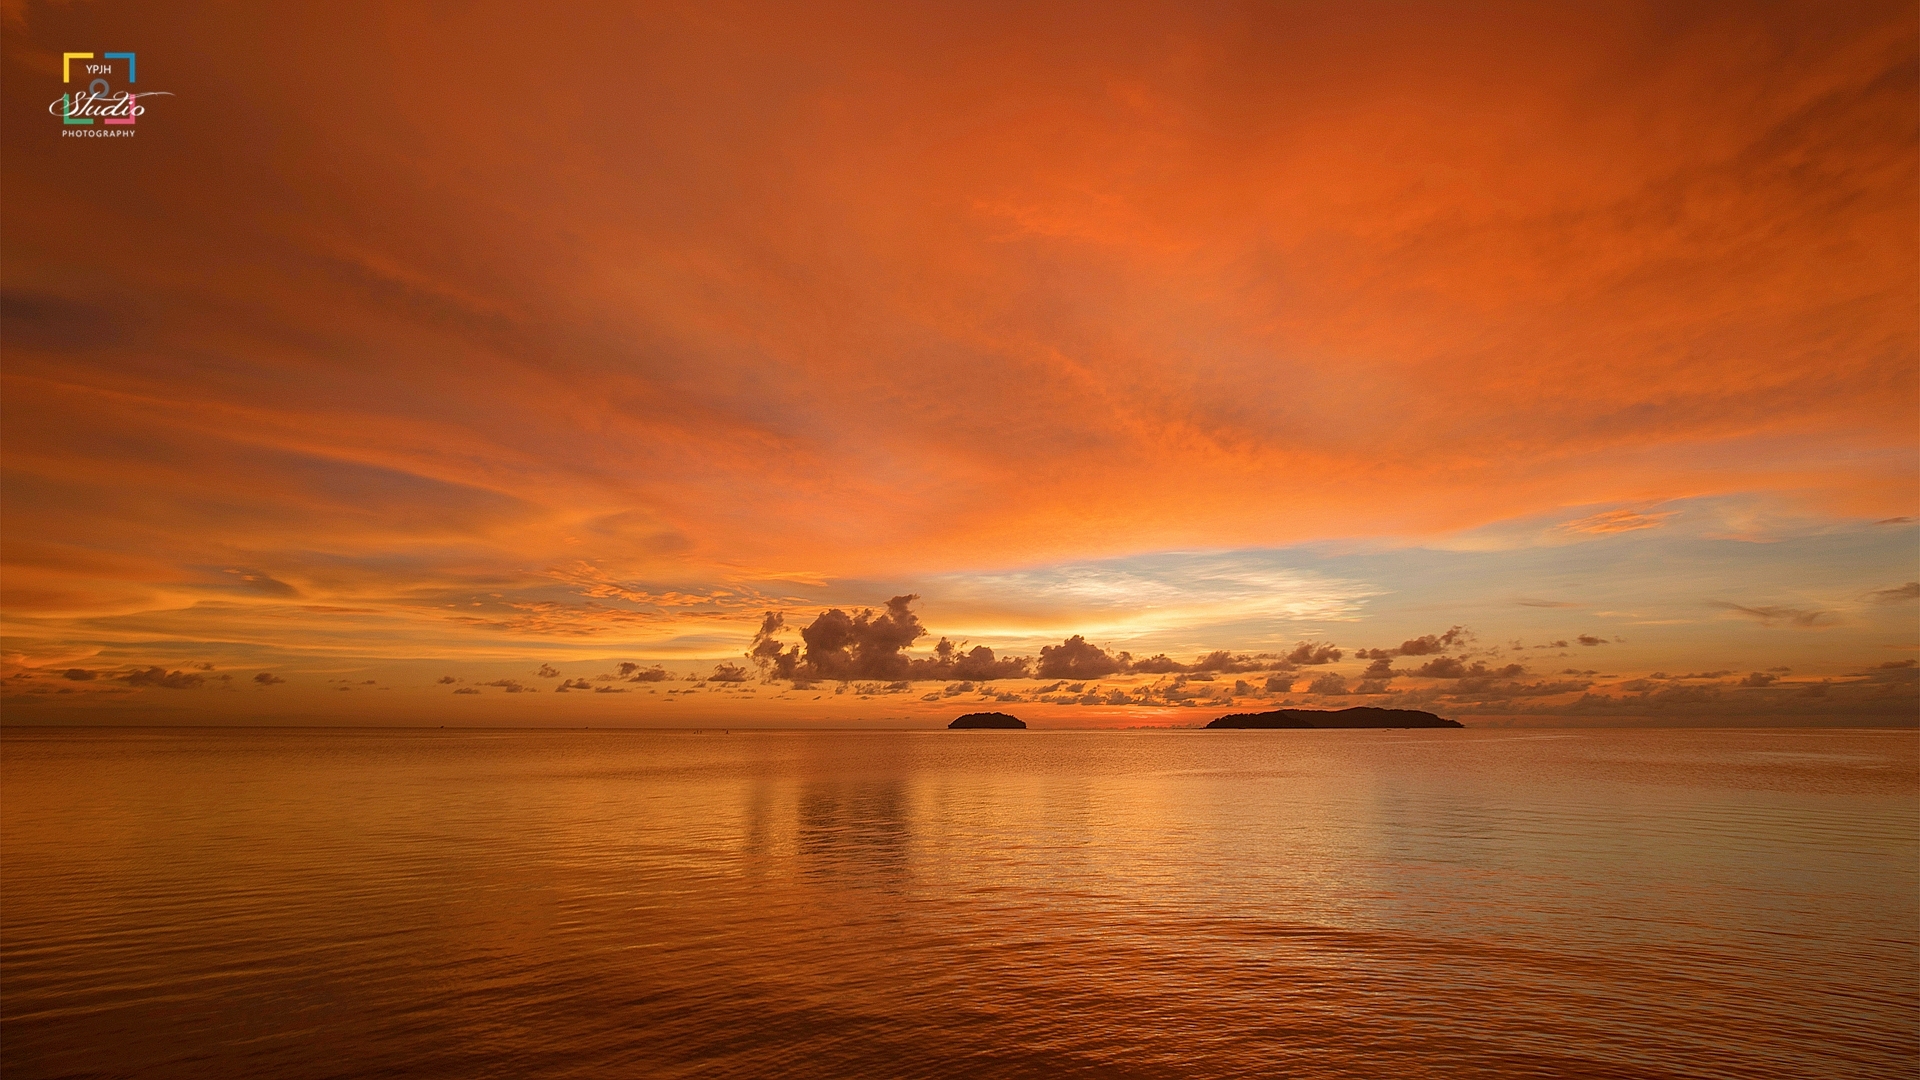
pixel 614 903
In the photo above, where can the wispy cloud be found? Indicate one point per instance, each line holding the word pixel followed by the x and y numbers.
pixel 1772 616
pixel 1615 521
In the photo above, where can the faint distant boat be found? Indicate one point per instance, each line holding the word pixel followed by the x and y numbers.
pixel 1363 716
pixel 988 720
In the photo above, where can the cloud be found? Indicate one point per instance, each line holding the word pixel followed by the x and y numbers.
pixel 1615 521
pixel 1589 639
pixel 1312 654
pixel 548 671
pixel 610 690
pixel 261 583
pixel 1224 662
pixel 154 676
pixel 573 684
pixel 1445 667
pixel 1328 684
pixel 1448 667
pixel 446 680
pixel 842 647
pixel 1768 616
pixel 511 686
pixel 728 673
pixel 1759 678
pixel 1425 645
pixel 79 675
pixel 978 662
pixel 1546 603
pixel 1075 658
pixel 467 690
pixel 1909 591
pixel 268 678
pixel 1499 686
pixel 635 673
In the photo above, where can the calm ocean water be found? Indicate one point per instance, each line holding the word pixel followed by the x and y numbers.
pixel 616 903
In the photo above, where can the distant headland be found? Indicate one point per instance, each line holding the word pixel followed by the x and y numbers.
pixel 988 720
pixel 1364 716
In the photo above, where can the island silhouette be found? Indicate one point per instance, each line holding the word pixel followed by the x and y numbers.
pixel 1362 716
pixel 988 720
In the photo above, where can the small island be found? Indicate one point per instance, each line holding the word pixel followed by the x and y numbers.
pixel 1364 716
pixel 987 720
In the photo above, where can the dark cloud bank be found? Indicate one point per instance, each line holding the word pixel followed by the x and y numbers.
pixel 871 646
pixel 868 649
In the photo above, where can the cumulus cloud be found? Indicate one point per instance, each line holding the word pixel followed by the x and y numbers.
pixel 728 673
pixel 842 647
pixel 1222 662
pixel 174 680
pixel 268 678
pixel 1424 645
pixel 1329 684
pixel 511 686
pixel 467 690
pixel 1448 667
pixel 79 675
pixel 548 671
pixel 446 680
pixel 635 673
pixel 1313 654
pixel 1500 686
pixel 978 662
pixel 1226 663
pixel 573 684
pixel 1759 678
pixel 1445 667
pixel 1076 658
pixel 1589 639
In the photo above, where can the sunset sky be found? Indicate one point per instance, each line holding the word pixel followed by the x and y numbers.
pixel 1531 363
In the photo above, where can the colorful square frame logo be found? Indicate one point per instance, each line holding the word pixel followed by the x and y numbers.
pixel 66 76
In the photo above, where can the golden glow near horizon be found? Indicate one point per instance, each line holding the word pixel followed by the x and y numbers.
pixel 371 380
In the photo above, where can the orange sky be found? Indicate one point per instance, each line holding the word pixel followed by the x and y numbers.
pixel 399 340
